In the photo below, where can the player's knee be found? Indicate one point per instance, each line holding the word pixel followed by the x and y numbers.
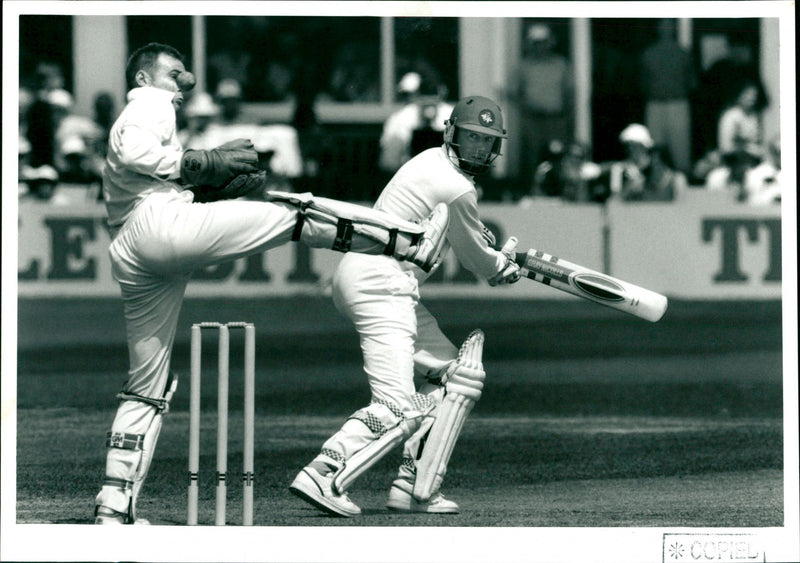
pixel 466 381
pixel 382 416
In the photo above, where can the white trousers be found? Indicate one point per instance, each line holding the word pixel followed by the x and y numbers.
pixel 382 300
pixel 152 257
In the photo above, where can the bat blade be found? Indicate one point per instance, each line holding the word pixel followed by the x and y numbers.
pixel 594 286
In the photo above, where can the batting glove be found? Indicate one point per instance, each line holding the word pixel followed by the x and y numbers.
pixel 510 272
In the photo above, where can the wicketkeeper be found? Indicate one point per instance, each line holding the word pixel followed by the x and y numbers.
pixel 161 233
pixel 400 336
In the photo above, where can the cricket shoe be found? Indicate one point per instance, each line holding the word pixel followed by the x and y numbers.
pixel 315 488
pixel 428 251
pixel 108 516
pixel 401 500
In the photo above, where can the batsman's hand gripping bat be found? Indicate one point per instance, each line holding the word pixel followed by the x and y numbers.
pixel 589 284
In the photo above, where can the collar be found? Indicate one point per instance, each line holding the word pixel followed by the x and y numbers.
pixel 152 93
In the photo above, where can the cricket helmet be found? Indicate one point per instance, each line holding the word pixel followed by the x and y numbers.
pixel 481 115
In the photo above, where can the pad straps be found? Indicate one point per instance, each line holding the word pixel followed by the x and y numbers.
pixel 161 404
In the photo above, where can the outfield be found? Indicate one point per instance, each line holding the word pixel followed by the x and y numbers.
pixel 589 417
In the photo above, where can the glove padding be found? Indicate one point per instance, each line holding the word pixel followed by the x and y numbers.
pixel 216 166
pixel 510 272
pixel 245 185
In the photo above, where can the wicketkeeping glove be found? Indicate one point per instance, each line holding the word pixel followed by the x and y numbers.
pixel 244 185
pixel 216 166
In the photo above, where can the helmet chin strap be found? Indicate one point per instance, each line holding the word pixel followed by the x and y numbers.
pixel 473 167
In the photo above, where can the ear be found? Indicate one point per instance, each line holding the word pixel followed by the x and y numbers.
pixel 142 78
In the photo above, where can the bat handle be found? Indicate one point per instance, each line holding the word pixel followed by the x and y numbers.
pixel 510 247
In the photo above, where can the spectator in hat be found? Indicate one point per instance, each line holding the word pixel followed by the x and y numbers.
pixel 200 114
pixel 80 141
pixel 647 172
pixel 229 98
pixel 566 172
pixel 418 125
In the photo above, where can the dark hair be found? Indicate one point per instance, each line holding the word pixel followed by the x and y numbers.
pixel 144 58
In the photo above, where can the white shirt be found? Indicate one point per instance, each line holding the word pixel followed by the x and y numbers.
pixel 738 129
pixel 430 178
pixel 144 153
pixel 763 184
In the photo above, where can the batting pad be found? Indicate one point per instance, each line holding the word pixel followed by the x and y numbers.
pixel 390 427
pixel 463 391
pixel 331 211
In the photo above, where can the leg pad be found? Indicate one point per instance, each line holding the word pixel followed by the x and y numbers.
pixel 463 389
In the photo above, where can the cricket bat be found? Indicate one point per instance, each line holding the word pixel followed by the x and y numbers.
pixel 589 284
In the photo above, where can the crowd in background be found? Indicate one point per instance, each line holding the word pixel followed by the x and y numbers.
pixel 655 163
pixel 58 146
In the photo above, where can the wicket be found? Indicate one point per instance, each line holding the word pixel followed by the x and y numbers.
pixel 222 419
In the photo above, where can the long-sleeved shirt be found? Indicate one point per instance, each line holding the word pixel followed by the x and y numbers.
pixel 144 153
pixel 428 179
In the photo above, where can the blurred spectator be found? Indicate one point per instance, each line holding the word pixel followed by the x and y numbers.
pixel 49 76
pixel 75 164
pixel 354 77
pixel 646 173
pixel 39 182
pixel 230 60
pixel 667 80
pixel 214 122
pixel 41 130
pixel 739 144
pixel 311 135
pixel 80 141
pixel 739 126
pixel 545 94
pixel 39 172
pixel 729 175
pixel 418 125
pixel 720 85
pixel 104 115
pixel 229 98
pixel 703 167
pixel 38 177
pixel 199 113
pixel 26 99
pixel 566 173
pixel 211 124
pixel 282 68
pixel 762 183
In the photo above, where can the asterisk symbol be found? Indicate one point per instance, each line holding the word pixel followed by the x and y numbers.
pixel 676 550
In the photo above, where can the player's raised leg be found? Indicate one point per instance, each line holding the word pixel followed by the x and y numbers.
pixel 346 227
pixel 327 223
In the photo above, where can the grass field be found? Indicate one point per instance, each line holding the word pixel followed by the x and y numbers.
pixel 589 418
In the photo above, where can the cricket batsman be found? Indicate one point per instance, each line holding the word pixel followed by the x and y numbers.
pixel 399 336
pixel 162 232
